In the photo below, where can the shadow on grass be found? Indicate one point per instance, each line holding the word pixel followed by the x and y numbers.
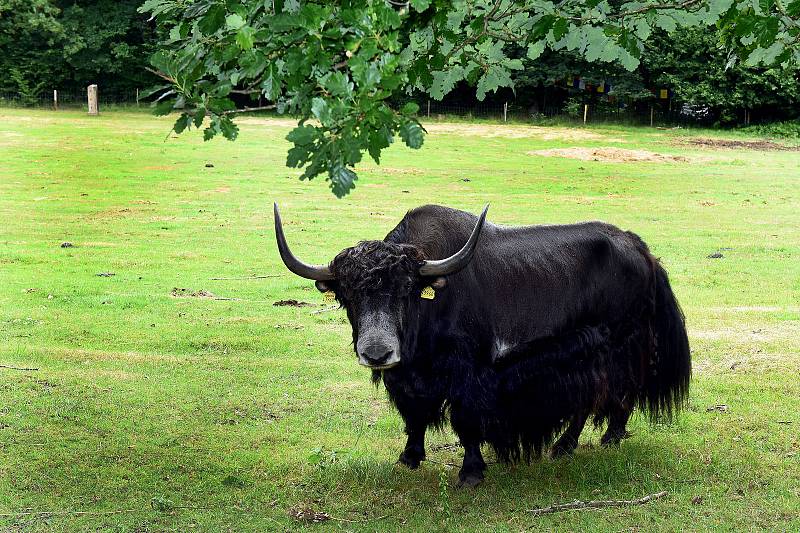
pixel 637 468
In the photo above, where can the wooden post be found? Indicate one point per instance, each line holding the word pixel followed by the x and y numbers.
pixel 651 115
pixel 429 109
pixel 137 97
pixel 91 94
pixel 585 113
pixel 505 111
pixel 55 100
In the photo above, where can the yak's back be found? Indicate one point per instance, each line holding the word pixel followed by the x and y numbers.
pixel 532 281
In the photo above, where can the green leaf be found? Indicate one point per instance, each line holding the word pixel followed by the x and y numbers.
pixel 494 78
pixel 765 56
pixel 302 135
pixel 793 8
pixel 666 22
pixel 560 28
pixel 536 49
pixel 182 123
pixel 338 84
pixel 212 20
pixel 411 108
pixel 320 109
pixel 271 86
pixel 199 115
pixel 229 130
pixel 542 26
pixel 412 134
pixel 244 37
pixel 445 81
pixel 342 179
pixel 420 5
pixel 164 107
pixel 234 21
pixel 378 140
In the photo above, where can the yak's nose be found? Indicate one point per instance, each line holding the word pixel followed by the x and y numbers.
pixel 377 354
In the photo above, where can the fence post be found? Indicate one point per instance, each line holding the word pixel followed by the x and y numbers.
pixel 651 115
pixel 137 97
pixel 585 113
pixel 505 111
pixel 91 94
pixel 429 109
pixel 55 100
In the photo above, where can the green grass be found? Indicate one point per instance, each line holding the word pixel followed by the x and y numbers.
pixel 201 414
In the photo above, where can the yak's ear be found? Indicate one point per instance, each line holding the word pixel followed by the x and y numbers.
pixel 324 286
pixel 439 283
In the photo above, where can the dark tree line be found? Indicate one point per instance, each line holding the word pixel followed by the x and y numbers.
pixel 690 63
pixel 68 44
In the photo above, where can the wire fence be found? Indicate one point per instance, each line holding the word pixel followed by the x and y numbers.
pixel 643 113
pixel 75 100
pixel 653 113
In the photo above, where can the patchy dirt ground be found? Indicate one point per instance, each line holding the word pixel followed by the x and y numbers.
pixel 738 145
pixel 609 154
pixel 189 293
pixel 520 132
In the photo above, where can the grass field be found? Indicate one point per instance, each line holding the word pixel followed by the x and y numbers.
pixel 156 407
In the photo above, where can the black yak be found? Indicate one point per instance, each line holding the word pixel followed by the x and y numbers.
pixel 516 333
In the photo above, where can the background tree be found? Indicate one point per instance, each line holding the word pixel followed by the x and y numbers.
pixel 50 44
pixel 341 62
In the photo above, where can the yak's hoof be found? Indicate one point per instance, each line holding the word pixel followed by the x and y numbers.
pixel 612 440
pixel 411 459
pixel 562 449
pixel 473 479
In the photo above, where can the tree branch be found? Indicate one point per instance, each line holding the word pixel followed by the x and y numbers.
pixel 249 109
pixel 595 504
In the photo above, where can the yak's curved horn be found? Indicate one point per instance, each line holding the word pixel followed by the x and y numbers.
pixel 315 272
pixel 458 260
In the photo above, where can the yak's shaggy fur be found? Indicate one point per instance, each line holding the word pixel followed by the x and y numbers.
pixel 546 326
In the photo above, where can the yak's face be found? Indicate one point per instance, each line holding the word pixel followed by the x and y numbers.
pixel 375 282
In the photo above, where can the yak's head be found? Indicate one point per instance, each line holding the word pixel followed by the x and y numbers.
pixel 376 281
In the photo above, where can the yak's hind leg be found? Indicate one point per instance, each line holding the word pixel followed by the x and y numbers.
pixel 617 422
pixel 466 424
pixel 568 441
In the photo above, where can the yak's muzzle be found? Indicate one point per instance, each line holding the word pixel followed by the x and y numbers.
pixel 378 354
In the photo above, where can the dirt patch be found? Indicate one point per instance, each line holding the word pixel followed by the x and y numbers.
pixel 768 146
pixel 609 154
pixel 291 303
pixel 276 122
pixel 520 132
pixel 401 171
pixel 189 293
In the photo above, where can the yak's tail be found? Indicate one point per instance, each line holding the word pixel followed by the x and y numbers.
pixel 666 385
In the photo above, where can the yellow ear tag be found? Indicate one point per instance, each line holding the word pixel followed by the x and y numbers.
pixel 328 297
pixel 428 293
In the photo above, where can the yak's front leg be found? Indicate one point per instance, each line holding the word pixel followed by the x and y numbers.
pixel 418 413
pixel 414 453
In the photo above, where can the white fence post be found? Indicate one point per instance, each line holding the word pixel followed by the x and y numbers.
pixel 55 100
pixel 505 111
pixel 585 113
pixel 91 93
